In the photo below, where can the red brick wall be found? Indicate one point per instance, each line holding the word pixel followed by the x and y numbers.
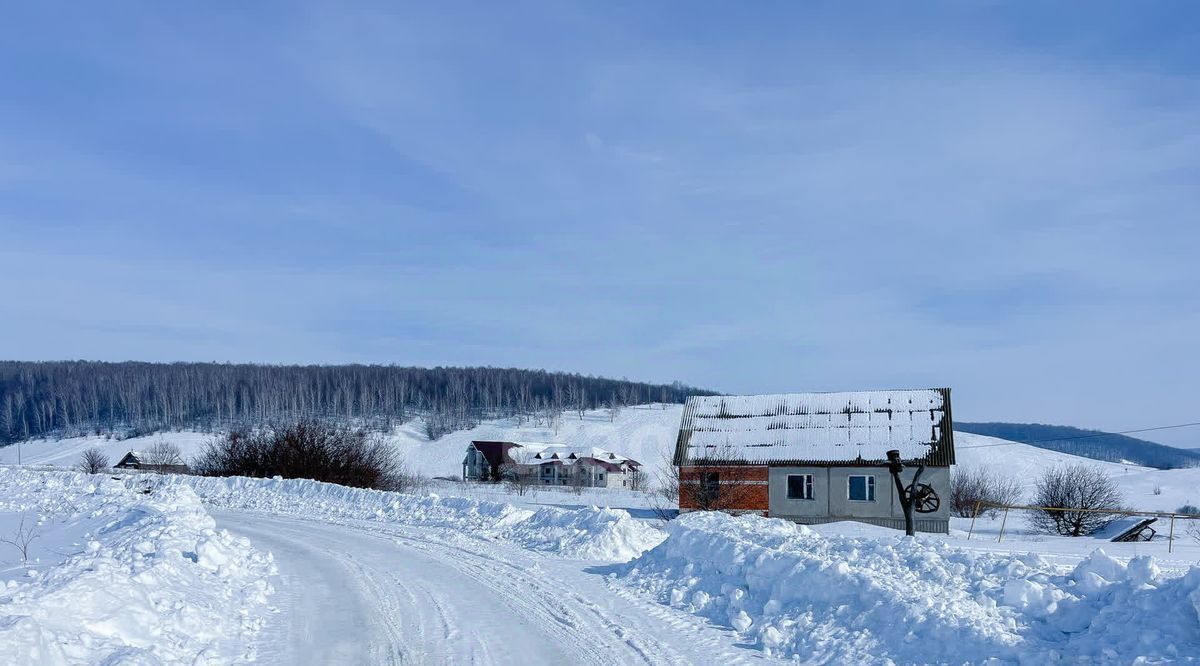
pixel 745 487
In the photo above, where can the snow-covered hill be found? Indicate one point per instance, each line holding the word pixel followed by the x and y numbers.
pixel 66 452
pixel 647 433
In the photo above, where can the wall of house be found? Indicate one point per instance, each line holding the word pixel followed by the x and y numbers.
pixel 752 495
pixel 612 479
pixel 476 464
pixel 832 502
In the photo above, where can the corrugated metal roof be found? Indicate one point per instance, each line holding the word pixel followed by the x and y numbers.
pixel 849 428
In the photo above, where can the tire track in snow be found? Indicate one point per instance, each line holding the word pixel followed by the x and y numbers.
pixel 422 595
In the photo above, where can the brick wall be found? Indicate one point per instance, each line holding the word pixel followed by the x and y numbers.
pixel 741 488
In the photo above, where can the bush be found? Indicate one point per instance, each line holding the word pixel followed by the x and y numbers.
pixel 93 461
pixel 162 456
pixel 1189 509
pixel 403 480
pixel 304 450
pixel 1083 488
pixel 969 487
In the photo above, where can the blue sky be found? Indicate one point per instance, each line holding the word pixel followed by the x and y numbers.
pixel 752 197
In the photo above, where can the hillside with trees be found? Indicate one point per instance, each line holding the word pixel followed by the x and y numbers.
pixel 1093 444
pixel 62 398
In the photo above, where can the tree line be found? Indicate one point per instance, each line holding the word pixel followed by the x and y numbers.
pixel 65 398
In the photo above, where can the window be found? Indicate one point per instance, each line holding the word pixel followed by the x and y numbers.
pixel 861 488
pixel 800 486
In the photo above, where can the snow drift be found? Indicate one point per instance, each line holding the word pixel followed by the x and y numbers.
pixel 885 599
pixel 589 533
pixel 154 582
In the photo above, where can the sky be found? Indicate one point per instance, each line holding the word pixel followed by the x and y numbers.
pixel 758 197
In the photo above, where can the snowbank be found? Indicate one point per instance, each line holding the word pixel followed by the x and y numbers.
pixel 588 533
pixel 842 599
pixel 152 582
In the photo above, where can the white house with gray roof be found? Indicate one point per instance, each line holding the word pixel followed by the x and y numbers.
pixel 550 464
pixel 819 457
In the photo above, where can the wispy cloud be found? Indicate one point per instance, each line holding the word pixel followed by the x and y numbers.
pixel 778 199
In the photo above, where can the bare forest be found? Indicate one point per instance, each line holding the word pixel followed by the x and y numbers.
pixel 65 398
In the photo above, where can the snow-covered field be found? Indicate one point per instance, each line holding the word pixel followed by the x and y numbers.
pixel 471 573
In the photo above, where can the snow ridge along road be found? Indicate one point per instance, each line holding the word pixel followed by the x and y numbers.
pixel 361 592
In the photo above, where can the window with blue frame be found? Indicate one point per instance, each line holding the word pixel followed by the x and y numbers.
pixel 861 488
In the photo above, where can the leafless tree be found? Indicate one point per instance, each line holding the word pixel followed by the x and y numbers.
pixel 519 479
pixel 162 456
pixel 1084 491
pixel 716 482
pixel 636 478
pixel 22 538
pixel 580 477
pixel 971 486
pixel 93 461
pixel 629 395
pixel 129 399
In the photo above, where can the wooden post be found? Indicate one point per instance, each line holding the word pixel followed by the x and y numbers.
pixel 1003 522
pixel 972 530
pixel 1171 535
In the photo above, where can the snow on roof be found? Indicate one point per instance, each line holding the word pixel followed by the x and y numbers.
pixel 537 453
pixel 859 426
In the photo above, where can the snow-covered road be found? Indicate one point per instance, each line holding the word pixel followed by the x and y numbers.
pixel 366 593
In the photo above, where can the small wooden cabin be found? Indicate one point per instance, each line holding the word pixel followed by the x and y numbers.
pixel 133 460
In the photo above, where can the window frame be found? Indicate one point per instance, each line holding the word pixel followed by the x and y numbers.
pixel 808 487
pixel 869 486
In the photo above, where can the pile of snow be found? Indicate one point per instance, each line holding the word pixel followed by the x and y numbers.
pixel 147 577
pixel 588 533
pixel 885 599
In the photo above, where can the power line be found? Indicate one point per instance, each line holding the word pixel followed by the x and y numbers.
pixel 1067 439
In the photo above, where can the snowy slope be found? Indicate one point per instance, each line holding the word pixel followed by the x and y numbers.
pixel 1025 463
pixel 645 433
pixel 66 452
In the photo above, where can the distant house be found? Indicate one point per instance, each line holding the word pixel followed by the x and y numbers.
pixel 133 460
pixel 550 464
pixel 817 457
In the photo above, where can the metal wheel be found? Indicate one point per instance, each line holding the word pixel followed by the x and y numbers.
pixel 924 498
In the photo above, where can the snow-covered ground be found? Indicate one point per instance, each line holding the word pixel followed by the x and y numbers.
pixel 473 573
pixel 883 598
pixel 353 576
pixel 67 452
pixel 118 575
